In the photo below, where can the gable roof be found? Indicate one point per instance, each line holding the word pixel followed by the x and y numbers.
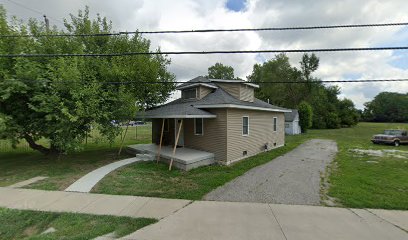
pixel 290 116
pixel 194 108
pixel 209 82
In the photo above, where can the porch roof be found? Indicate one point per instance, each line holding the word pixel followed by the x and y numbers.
pixel 180 110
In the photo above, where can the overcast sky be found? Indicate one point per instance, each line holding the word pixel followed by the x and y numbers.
pixel 152 15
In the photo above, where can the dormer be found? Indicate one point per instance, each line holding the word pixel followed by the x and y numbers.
pixel 196 90
pixel 239 89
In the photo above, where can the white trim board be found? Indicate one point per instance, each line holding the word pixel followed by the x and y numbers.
pixel 240 107
pixel 183 116
pixel 196 84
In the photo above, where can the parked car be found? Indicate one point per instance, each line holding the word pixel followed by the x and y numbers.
pixel 395 137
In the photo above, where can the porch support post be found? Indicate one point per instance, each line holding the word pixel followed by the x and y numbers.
pixel 175 144
pixel 161 140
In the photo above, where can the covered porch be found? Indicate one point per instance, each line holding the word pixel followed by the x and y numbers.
pixel 184 158
pixel 175 130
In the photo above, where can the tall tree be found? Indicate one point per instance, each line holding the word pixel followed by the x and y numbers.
pixel 300 85
pixel 278 69
pixel 60 99
pixel 221 71
pixel 387 107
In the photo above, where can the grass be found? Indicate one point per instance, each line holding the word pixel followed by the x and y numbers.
pixel 150 179
pixel 361 180
pixel 356 180
pixel 21 164
pixel 24 224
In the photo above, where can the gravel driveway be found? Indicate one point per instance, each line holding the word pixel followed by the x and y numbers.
pixel 293 178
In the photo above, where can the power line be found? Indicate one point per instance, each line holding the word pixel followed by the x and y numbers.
pixel 214 30
pixel 260 82
pixel 30 9
pixel 202 52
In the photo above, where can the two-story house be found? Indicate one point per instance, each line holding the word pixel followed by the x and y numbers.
pixel 221 117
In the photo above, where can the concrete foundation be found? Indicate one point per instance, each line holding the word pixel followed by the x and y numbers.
pixel 185 158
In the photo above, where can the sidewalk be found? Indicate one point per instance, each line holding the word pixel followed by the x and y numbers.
pixel 220 220
pixel 101 204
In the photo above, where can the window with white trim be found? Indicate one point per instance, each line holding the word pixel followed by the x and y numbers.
pixel 245 126
pixel 198 126
pixel 275 123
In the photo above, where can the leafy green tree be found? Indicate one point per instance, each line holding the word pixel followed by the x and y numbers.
pixel 221 71
pixel 62 99
pixel 305 116
pixel 348 114
pixel 332 120
pixel 387 107
pixel 323 99
pixel 308 65
pixel 278 69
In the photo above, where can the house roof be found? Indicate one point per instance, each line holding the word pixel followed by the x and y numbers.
pixel 209 82
pixel 290 116
pixel 194 108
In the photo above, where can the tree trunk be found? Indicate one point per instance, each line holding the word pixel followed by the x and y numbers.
pixel 36 146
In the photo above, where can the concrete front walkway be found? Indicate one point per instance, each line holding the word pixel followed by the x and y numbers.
pixel 100 204
pixel 220 220
pixel 87 182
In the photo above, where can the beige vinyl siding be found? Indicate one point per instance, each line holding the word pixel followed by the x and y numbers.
pixel 214 138
pixel 246 93
pixel 240 91
pixel 231 88
pixel 203 91
pixel 260 132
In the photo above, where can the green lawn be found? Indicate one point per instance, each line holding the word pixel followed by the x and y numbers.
pixel 362 180
pixel 22 163
pixel 356 180
pixel 150 179
pixel 23 224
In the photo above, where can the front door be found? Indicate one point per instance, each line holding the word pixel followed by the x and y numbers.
pixel 181 137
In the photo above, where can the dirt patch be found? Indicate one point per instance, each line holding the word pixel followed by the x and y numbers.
pixel 381 153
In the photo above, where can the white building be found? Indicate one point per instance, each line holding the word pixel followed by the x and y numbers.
pixel 292 126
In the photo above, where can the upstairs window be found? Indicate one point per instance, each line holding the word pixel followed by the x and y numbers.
pixel 198 126
pixel 189 93
pixel 245 126
pixel 275 122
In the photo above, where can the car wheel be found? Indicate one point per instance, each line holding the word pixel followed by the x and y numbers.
pixel 396 143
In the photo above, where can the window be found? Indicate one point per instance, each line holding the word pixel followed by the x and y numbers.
pixel 245 126
pixel 198 126
pixel 275 121
pixel 189 93
pixel 286 125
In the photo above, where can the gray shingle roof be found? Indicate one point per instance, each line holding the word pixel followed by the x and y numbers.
pixel 290 116
pixel 199 79
pixel 187 107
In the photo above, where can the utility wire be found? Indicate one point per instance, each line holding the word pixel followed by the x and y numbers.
pixel 260 82
pixel 214 30
pixel 30 9
pixel 202 52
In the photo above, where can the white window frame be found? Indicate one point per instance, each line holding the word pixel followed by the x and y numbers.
pixel 202 127
pixel 275 124
pixel 242 127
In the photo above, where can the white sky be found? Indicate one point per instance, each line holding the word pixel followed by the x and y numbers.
pixel 200 14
